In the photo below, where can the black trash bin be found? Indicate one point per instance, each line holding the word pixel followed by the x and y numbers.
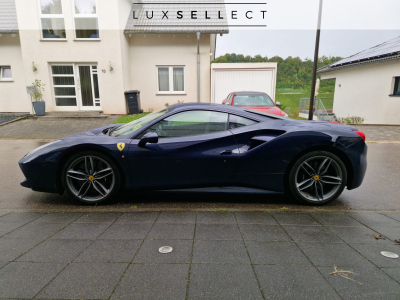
pixel 133 102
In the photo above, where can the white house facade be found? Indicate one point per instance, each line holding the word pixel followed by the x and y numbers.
pixel 368 84
pixel 88 52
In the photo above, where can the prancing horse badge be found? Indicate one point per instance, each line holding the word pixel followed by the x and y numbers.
pixel 121 146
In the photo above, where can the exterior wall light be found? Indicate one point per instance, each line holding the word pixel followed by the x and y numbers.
pixel 111 68
pixel 33 67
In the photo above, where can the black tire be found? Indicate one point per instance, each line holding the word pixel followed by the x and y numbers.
pixel 325 187
pixel 106 184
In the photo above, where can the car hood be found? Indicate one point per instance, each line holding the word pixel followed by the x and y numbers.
pixel 267 109
pixel 94 132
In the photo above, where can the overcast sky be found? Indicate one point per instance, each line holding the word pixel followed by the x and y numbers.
pixel 348 27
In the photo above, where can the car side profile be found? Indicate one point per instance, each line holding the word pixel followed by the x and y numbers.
pixel 254 100
pixel 202 145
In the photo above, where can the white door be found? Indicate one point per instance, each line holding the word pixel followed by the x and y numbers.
pixel 226 81
pixel 75 87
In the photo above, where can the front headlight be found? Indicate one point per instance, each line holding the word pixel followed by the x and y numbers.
pixel 41 147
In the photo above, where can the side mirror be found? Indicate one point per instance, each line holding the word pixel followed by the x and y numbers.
pixel 278 104
pixel 150 137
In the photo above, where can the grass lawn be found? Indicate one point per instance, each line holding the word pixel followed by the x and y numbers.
pixel 130 118
pixel 293 100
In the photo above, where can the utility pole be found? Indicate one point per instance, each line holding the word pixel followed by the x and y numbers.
pixel 314 77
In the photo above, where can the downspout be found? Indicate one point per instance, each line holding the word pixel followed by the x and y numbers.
pixel 198 66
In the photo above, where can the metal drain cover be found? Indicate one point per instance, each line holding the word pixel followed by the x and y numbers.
pixel 389 254
pixel 165 249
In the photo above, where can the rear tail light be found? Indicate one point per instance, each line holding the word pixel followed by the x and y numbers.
pixel 361 134
pixel 337 123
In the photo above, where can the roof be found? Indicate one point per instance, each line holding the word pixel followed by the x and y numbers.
pixel 387 51
pixel 160 24
pixel 8 17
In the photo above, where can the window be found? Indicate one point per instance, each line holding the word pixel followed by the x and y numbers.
pixel 252 99
pixel 52 19
pixel 86 21
pixel 228 99
pixel 171 80
pixel 64 85
pixel 236 122
pixel 5 73
pixel 396 86
pixel 190 123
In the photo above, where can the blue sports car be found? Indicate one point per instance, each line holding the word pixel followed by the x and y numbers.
pixel 202 145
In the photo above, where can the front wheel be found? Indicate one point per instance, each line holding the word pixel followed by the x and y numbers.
pixel 317 178
pixel 90 177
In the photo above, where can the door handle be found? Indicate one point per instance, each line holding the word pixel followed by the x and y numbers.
pixel 226 152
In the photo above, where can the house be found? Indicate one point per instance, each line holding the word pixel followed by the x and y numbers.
pixel 88 52
pixel 368 84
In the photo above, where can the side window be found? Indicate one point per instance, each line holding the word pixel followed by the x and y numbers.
pixel 236 122
pixel 191 123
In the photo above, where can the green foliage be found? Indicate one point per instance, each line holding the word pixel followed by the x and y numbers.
pixel 351 120
pixel 130 118
pixel 39 89
pixel 292 72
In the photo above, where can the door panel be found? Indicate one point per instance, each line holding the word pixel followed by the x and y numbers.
pixel 184 162
pixel 86 85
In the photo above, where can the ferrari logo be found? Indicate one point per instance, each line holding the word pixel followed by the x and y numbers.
pixel 121 146
pixel 316 177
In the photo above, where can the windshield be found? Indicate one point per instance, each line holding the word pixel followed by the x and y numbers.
pixel 132 127
pixel 257 112
pixel 252 99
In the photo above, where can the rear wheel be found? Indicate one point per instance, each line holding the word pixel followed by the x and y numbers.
pixel 91 177
pixel 317 178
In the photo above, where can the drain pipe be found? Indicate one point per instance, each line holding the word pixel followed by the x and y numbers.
pixel 198 66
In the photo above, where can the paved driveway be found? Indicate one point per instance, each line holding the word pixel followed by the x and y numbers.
pixel 216 255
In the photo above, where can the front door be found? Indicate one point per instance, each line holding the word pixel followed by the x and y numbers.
pixel 195 149
pixel 76 87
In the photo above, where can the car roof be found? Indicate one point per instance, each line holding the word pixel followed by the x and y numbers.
pixel 249 92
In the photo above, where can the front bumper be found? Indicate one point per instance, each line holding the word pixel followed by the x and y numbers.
pixel 25 183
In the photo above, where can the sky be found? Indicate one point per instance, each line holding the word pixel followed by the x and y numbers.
pixel 289 27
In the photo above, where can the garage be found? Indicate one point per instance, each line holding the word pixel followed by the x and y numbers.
pixel 234 77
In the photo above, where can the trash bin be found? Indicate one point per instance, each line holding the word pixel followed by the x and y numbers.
pixel 132 102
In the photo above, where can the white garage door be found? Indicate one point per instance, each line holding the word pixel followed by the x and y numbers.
pixel 228 81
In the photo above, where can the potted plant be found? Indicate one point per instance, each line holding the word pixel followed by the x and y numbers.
pixel 38 104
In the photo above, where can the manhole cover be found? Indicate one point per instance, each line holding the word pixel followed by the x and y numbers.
pixel 165 249
pixel 389 254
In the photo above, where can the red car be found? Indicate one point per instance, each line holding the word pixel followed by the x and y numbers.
pixel 254 100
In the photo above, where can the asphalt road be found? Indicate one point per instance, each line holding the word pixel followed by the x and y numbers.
pixel 379 192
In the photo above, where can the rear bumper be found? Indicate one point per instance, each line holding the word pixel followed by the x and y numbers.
pixel 26 184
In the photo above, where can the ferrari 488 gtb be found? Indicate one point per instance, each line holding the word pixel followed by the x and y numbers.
pixel 202 145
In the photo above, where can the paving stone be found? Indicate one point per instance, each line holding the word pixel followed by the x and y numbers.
pixel 25 217
pixel 393 272
pixel 217 232
pixel 375 219
pixel 127 231
pixel 311 234
pixel 293 282
pixel 25 279
pixel 210 217
pixel 98 217
pixel 375 284
pixel 295 219
pixel 3 213
pixel 275 253
pixel 139 217
pixel 148 253
pixel 6 227
pixel 172 231
pixel 174 217
pixel 392 233
pixel 233 252
pixel 10 249
pixel 223 281
pixel 85 281
pixel 335 219
pixel 39 231
pixel 255 217
pixel 373 253
pixel 263 232
pixel 83 231
pixel 395 216
pixel 3 263
pixel 109 251
pixel 354 234
pixel 54 250
pixel 65 218
pixel 160 281
pixel 333 255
